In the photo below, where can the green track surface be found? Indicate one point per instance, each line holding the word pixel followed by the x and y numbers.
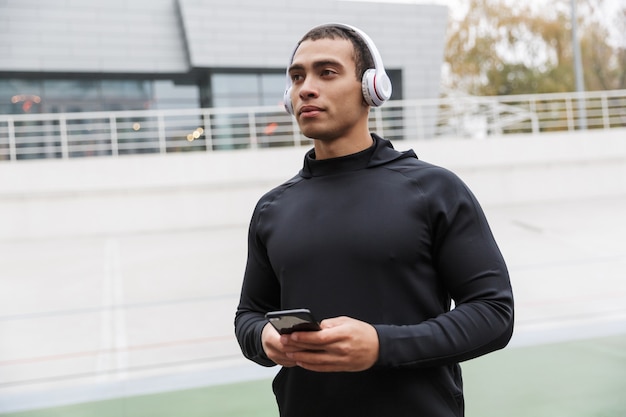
pixel 575 379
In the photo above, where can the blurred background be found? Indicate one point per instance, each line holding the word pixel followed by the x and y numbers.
pixel 137 135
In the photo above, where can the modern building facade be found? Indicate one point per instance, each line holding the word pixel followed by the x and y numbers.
pixel 61 56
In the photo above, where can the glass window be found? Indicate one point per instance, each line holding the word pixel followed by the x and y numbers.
pixel 235 90
pixel 61 96
pixel 70 95
pixel 272 89
pixel 168 95
pixel 235 101
pixel 20 96
pixel 168 90
pixel 235 84
pixel 396 81
pixel 80 89
pixel 54 105
pixel 133 89
pixel 11 87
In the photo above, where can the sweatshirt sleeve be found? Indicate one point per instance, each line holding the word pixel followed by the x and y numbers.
pixel 260 293
pixel 470 266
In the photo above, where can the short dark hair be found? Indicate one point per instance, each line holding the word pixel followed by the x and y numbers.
pixel 363 59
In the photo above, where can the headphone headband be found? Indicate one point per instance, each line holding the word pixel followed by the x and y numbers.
pixel 375 84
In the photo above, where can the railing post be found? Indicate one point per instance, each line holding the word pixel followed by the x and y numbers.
pixel 496 126
pixel 606 117
pixel 114 140
pixel 65 154
pixel 419 119
pixel 208 131
pixel 12 142
pixel 582 112
pixel 459 117
pixel 254 140
pixel 161 127
pixel 296 132
pixel 534 120
pixel 378 117
pixel 570 114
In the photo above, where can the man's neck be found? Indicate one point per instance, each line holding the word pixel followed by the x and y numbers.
pixel 341 147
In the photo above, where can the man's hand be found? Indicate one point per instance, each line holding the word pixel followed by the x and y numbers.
pixel 343 345
pixel 273 347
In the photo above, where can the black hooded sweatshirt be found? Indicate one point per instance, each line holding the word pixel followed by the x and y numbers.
pixel 385 238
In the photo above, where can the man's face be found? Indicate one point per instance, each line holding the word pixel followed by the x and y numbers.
pixel 326 94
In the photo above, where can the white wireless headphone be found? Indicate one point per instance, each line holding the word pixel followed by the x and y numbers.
pixel 375 84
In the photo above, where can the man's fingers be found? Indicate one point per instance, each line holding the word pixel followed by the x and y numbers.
pixel 320 361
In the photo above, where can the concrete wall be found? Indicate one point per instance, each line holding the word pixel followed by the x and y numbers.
pixel 528 169
pixel 80 197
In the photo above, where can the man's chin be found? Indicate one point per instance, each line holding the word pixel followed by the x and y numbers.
pixel 321 138
pixel 316 134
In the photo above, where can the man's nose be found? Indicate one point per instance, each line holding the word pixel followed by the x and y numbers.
pixel 308 88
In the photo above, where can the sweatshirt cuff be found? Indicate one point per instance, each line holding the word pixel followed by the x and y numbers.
pixel 383 345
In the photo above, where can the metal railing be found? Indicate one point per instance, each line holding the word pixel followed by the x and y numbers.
pixel 70 135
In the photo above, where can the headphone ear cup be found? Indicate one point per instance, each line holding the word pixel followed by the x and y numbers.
pixel 382 85
pixel 287 101
pixel 376 89
pixel 366 81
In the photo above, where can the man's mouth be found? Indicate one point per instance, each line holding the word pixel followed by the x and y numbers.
pixel 310 111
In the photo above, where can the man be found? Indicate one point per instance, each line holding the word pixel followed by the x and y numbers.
pixel 376 243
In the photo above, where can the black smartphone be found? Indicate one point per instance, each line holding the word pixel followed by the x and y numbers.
pixel 289 321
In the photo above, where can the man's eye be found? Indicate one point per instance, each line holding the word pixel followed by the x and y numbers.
pixel 328 72
pixel 296 77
